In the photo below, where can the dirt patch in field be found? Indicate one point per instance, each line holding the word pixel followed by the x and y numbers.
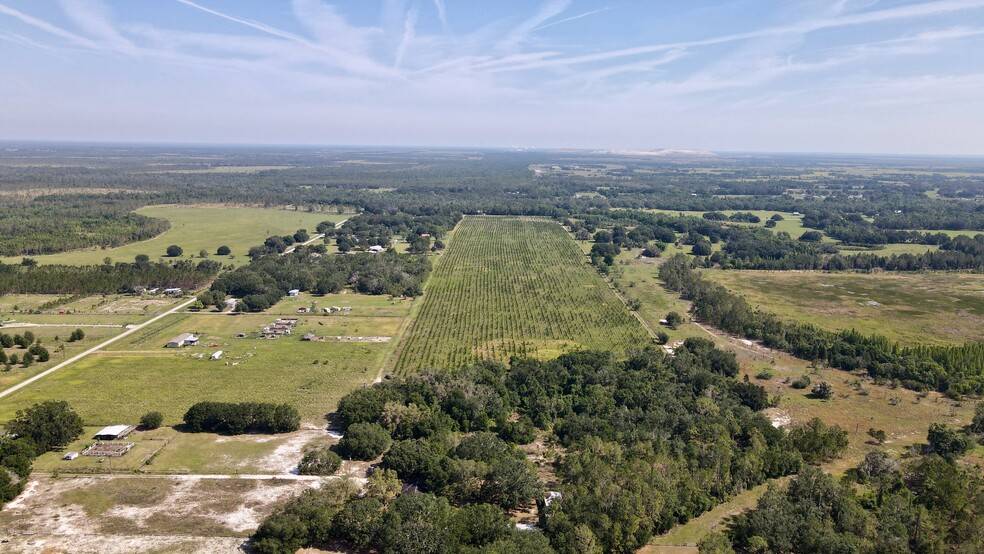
pixel 141 514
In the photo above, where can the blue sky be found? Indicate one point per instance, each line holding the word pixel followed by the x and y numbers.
pixel 888 76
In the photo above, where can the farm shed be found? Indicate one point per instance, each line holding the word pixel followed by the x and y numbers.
pixel 69 456
pixel 293 293
pixel 184 339
pixel 172 291
pixel 113 432
pixel 376 249
pixel 216 355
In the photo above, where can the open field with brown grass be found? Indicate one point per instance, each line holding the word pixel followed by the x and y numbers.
pixel 937 308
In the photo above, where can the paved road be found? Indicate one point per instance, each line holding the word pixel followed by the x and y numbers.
pixel 99 346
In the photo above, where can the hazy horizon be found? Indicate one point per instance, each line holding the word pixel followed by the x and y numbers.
pixel 865 77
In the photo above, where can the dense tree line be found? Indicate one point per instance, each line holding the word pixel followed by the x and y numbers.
pixel 952 369
pixel 266 280
pixel 104 279
pixel 383 521
pixel 33 431
pixel 229 418
pixel 59 222
pixel 376 229
pixel 927 503
pixel 646 443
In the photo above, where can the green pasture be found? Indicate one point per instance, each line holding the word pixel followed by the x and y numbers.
pixel 194 228
pixel 138 374
pixel 940 308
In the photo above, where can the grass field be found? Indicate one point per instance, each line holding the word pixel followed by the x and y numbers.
pixel 514 286
pixel 912 308
pixel 195 228
pixel 137 374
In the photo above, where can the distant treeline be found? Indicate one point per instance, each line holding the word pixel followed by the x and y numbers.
pixel 266 280
pixel 55 223
pixel 104 279
pixel 954 370
pixel 746 247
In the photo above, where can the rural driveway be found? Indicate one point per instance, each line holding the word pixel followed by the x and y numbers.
pixel 312 239
pixel 103 344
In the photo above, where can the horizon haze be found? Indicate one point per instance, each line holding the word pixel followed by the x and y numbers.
pixel 848 76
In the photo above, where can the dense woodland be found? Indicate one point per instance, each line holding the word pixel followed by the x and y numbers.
pixel 645 443
pixel 105 278
pixel 924 503
pixel 58 197
pixel 266 280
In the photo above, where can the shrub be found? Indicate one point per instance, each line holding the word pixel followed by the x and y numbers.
pixel 364 441
pixel 764 374
pixel 223 251
pixel 151 420
pixel 823 391
pixel 673 319
pixel 174 251
pixel 320 461
pixel 801 382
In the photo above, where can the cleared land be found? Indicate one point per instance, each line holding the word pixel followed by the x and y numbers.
pixel 138 374
pixel 911 308
pixel 514 286
pixel 195 228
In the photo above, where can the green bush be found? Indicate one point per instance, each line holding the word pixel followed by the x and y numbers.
pixel 801 382
pixel 364 441
pixel 320 461
pixel 151 420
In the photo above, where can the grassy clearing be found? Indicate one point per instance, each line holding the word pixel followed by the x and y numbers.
pixel 138 375
pixel 54 338
pixel 196 228
pixel 514 286
pixel 941 308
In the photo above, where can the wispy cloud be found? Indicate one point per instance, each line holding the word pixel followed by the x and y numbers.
pixel 408 34
pixel 572 18
pixel 521 33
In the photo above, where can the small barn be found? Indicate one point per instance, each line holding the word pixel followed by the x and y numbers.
pixel 113 432
pixel 184 339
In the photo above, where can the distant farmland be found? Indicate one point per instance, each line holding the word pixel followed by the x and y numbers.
pixel 514 286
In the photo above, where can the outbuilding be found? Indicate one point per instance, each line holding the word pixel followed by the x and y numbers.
pixel 293 293
pixel 215 355
pixel 184 339
pixel 376 249
pixel 113 432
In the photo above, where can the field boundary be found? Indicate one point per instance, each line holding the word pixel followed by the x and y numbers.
pixel 95 348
